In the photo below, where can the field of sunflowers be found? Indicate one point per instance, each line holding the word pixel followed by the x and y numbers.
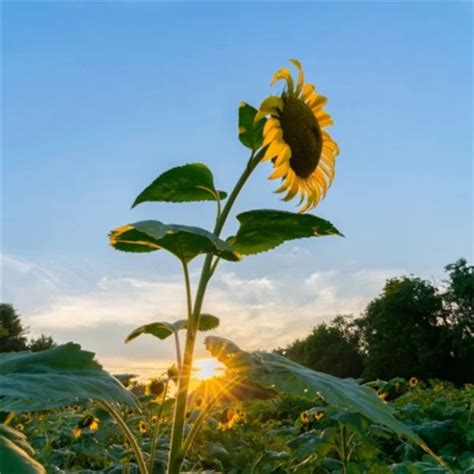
pixel 276 435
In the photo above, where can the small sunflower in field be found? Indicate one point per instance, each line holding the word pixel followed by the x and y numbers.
pixel 302 152
pixel 142 428
pixel 154 420
pixel 304 417
pixel 228 419
pixel 88 421
pixel 19 427
pixel 413 382
pixel 319 415
pixel 155 388
pixel 382 395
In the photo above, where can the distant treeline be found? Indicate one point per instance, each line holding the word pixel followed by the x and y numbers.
pixel 413 328
pixel 13 335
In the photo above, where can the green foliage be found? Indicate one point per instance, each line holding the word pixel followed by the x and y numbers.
pixel 400 330
pixel 277 372
pixel 16 453
pixel 264 438
pixel 54 378
pixel 331 348
pixel 163 330
pixel 42 343
pixel 188 183
pixel 264 229
pixel 12 332
pixel 250 132
pixel 185 242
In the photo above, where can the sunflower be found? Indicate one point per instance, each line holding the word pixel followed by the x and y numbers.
pixel 88 421
pixel 228 419
pixel 303 154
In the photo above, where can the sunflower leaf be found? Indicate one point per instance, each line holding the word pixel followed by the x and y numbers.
pixel 184 242
pixel 208 322
pixel 276 372
pixel 163 330
pixel 188 183
pixel 250 132
pixel 264 229
pixel 64 375
pixel 16 453
pixel 160 330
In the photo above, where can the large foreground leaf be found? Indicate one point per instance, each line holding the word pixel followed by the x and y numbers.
pixel 250 132
pixel 184 242
pixel 264 229
pixel 57 377
pixel 278 373
pixel 16 453
pixel 188 183
pixel 163 330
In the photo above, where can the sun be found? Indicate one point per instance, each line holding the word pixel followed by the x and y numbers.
pixel 208 368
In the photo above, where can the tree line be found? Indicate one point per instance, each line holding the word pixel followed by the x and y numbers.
pixel 13 335
pixel 413 328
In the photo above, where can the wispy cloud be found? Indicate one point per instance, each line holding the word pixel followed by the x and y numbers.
pixel 256 312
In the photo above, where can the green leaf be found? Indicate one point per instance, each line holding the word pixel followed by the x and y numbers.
pixel 64 375
pixel 188 183
pixel 264 229
pixel 208 322
pixel 162 330
pixel 276 372
pixel 16 453
pixel 250 132
pixel 185 242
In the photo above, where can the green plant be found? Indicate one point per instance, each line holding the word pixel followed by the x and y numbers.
pixel 287 130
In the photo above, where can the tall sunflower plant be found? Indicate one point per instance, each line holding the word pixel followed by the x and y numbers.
pixel 287 132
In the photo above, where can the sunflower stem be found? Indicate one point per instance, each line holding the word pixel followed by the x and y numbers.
pixel 176 455
pixel 128 435
pixel 156 428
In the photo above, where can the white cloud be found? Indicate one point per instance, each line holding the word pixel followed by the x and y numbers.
pixel 256 312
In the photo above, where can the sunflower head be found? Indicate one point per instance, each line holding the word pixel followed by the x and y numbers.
pixel 413 382
pixel 302 152
pixel 304 417
pixel 228 419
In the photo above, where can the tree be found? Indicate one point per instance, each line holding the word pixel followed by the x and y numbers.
pixel 458 319
pixel 459 297
pixel 332 349
pixel 400 332
pixel 12 333
pixel 41 343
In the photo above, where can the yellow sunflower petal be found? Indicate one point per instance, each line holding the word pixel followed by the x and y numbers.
pixel 280 171
pixel 271 105
pixel 284 74
pixel 273 150
pixel 316 101
pixel 270 124
pixel 284 155
pixel 291 192
pixel 300 82
pixel 308 90
pixel 324 119
pixel 274 134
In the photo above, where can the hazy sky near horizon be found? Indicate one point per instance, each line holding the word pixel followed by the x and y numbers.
pixel 100 98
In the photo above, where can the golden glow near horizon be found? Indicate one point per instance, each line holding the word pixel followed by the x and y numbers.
pixel 208 368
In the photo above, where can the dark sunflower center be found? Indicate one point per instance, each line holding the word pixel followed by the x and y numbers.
pixel 302 133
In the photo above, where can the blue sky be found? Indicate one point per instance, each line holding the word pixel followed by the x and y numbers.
pixel 100 98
